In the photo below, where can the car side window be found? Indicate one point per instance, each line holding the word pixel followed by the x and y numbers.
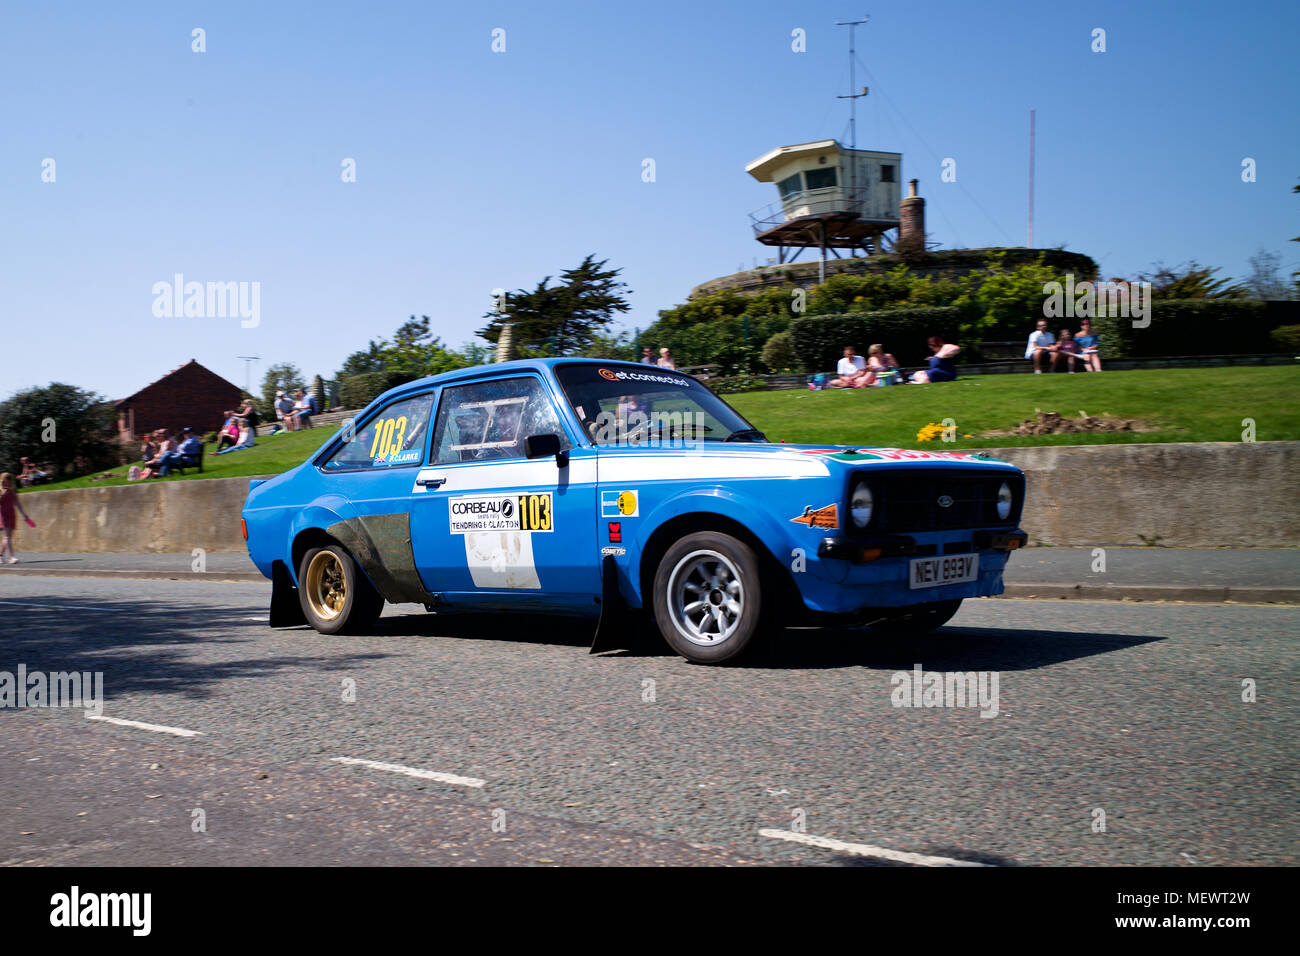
pixel 394 437
pixel 488 421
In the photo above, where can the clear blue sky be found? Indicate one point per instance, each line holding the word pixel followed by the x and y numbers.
pixel 478 169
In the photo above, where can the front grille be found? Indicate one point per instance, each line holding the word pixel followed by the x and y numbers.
pixel 908 500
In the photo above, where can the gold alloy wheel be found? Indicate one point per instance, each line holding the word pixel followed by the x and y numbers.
pixel 326 585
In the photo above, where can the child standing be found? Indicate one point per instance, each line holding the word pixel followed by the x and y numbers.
pixel 8 519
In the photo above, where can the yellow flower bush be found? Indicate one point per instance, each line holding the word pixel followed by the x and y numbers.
pixel 930 432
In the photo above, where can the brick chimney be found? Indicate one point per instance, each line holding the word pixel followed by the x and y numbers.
pixel 911 220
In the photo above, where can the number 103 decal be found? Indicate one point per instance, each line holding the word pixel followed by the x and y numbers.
pixel 535 513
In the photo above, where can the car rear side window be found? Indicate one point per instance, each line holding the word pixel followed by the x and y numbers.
pixel 488 421
pixel 393 438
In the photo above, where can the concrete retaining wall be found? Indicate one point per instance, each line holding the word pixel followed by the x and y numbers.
pixel 146 517
pixel 1202 495
pixel 1225 494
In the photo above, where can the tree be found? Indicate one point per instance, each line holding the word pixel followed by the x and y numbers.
pixel 1190 281
pixel 62 424
pixel 280 378
pixel 369 359
pixel 563 319
pixel 1264 282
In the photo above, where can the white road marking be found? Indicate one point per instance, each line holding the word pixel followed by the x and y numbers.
pixel 60 607
pixel 412 771
pixel 157 728
pixel 863 849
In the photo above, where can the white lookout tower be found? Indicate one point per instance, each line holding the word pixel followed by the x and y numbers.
pixel 830 196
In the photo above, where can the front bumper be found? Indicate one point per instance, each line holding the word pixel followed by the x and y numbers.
pixel 862 550
pixel 861 572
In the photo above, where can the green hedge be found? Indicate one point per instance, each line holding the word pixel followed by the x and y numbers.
pixel 819 340
pixel 734 342
pixel 358 391
pixel 1286 337
pixel 1189 327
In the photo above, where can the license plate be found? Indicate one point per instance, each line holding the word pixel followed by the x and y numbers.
pixel 935 572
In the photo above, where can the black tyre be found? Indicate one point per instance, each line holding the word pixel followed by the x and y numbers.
pixel 917 618
pixel 707 599
pixel 335 596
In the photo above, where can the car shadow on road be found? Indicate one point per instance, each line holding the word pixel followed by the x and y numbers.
pixel 947 649
pixel 812 648
pixel 491 626
pixel 143 645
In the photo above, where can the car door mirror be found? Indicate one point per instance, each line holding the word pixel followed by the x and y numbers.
pixel 543 446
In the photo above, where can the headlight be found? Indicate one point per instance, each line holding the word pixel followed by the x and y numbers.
pixel 1004 501
pixel 860 505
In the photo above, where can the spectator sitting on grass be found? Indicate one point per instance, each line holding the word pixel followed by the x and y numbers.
pixel 283 413
pixel 229 434
pixel 304 407
pixel 851 371
pixel 943 365
pixel 31 475
pixel 1089 346
pixel 164 446
pixel 245 439
pixel 186 455
pixel 249 415
pixel 1042 347
pixel 1067 347
pixel 882 364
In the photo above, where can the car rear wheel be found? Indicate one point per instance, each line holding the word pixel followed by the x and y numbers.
pixel 335 596
pixel 917 618
pixel 706 597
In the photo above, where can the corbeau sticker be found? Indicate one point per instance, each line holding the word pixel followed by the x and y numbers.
pixel 473 514
pixel 826 517
pixel 619 504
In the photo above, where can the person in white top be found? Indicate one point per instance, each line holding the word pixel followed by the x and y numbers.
pixel 1042 348
pixel 666 359
pixel 852 371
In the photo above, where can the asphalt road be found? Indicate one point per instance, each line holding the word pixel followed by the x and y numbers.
pixel 636 757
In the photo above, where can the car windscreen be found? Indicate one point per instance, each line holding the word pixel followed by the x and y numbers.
pixel 621 405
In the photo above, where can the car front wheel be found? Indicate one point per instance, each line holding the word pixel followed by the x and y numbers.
pixel 335 596
pixel 706 597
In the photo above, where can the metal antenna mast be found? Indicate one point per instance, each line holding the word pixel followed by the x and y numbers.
pixel 248 365
pixel 854 96
pixel 1031 179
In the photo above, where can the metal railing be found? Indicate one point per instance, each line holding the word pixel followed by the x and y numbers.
pixel 831 200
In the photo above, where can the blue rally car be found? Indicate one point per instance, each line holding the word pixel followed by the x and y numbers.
pixel 604 488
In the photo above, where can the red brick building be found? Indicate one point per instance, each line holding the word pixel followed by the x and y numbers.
pixel 190 395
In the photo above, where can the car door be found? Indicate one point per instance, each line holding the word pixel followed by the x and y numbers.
pixel 492 528
pixel 366 478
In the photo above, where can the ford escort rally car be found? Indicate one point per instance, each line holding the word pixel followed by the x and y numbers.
pixel 603 488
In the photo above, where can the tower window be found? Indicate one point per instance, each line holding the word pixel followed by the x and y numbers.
pixel 789 186
pixel 887 174
pixel 820 178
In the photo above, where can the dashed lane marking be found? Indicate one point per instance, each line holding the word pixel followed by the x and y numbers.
pixel 863 849
pixel 140 725
pixel 412 771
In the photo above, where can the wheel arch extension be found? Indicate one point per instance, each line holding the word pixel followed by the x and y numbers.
pixel 305 540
